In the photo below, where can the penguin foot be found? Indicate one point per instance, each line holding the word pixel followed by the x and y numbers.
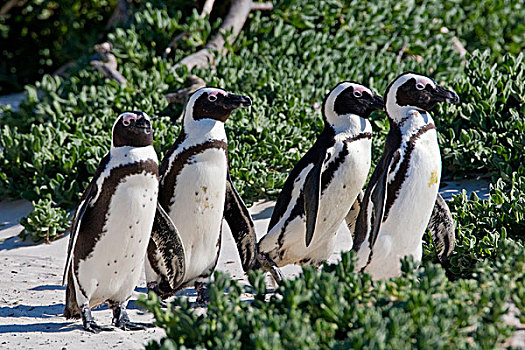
pixel 267 264
pixel 93 327
pixel 202 294
pixel 89 322
pixel 121 320
pixel 154 288
pixel 132 326
pixel 163 291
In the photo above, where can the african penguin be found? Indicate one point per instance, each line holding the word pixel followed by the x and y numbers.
pixel 320 190
pixel 197 192
pixel 403 191
pixel 112 225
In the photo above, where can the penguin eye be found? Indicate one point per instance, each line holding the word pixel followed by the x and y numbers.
pixel 357 94
pixel 420 86
pixel 212 98
pixel 126 122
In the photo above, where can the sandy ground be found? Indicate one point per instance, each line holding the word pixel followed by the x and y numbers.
pixel 32 297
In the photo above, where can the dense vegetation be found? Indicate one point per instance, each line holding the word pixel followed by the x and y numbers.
pixel 52 145
pixel 337 308
pixel 286 61
pixel 39 36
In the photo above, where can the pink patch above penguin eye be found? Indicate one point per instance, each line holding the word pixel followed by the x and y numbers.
pixel 127 118
pixel 422 83
pixel 359 91
pixel 212 96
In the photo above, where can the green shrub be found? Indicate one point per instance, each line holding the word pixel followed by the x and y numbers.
pixel 486 132
pixel 337 308
pixel 46 222
pixel 483 225
pixel 286 60
pixel 461 307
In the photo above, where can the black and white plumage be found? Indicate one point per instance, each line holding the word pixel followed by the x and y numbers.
pixel 112 225
pixel 320 190
pixel 197 192
pixel 403 189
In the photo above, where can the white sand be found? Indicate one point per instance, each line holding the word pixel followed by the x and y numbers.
pixel 32 297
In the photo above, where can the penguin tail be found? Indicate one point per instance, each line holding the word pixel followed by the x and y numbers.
pixel 72 310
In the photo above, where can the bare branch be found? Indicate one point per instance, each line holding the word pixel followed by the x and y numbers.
pixel 233 23
pixel 401 52
pixel 206 9
pixel 107 64
pixel 458 46
pixel 175 42
pixel 108 72
pixel 63 69
pixel 9 5
pixel 179 96
pixel 262 6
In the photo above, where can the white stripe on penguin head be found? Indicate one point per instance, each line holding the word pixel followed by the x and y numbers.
pixel 202 129
pixel 393 109
pixel 329 109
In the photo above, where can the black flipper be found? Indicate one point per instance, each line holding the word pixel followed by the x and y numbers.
pixel 441 226
pixel 374 201
pixel 90 192
pixel 351 217
pixel 312 197
pixel 241 226
pixel 167 240
pixel 75 226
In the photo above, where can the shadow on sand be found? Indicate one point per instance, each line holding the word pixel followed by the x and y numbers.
pixel 48 287
pixel 266 213
pixel 37 311
pixel 15 242
pixel 46 327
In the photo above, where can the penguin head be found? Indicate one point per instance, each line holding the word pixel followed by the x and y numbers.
pixel 213 103
pixel 349 98
pixel 132 129
pixel 415 91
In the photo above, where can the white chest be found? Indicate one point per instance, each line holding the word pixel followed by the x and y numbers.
pixel 336 200
pixel 402 232
pixel 198 209
pixel 112 270
pixel 343 188
pixel 418 191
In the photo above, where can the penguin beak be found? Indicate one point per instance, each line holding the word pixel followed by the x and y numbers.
pixel 143 124
pixel 232 101
pixel 444 95
pixel 376 103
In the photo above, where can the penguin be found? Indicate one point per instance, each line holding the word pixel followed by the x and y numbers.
pixel 197 192
pixel 320 190
pixel 111 228
pixel 402 197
